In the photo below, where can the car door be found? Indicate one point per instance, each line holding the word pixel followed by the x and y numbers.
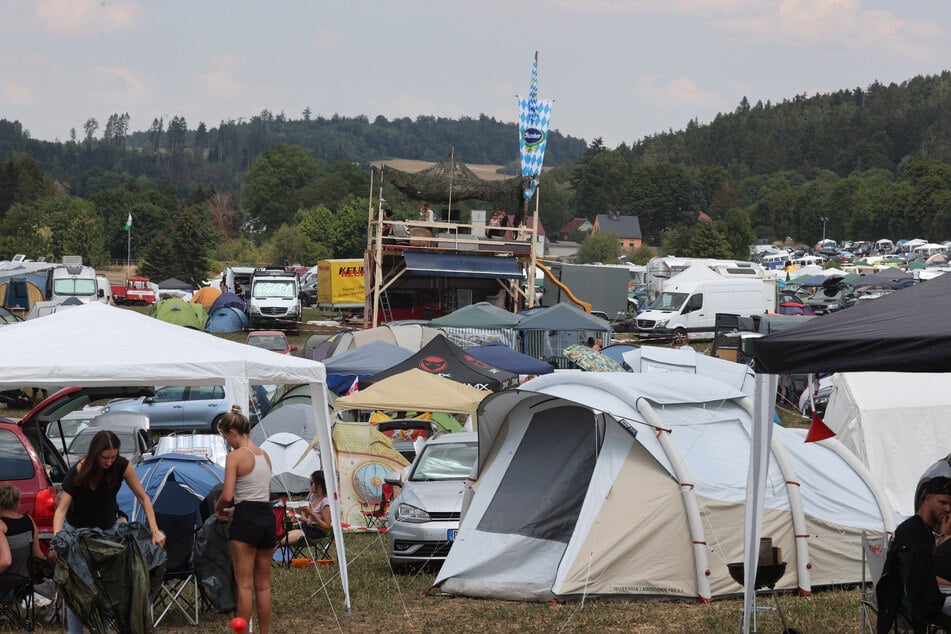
pixel 204 404
pixel 166 409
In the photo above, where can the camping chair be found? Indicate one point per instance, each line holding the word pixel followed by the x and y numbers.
pixel 16 584
pixel 180 572
pixel 376 517
pixel 279 508
pixel 873 563
pixel 894 607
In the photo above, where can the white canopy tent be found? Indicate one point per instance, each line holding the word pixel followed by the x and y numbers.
pixel 98 345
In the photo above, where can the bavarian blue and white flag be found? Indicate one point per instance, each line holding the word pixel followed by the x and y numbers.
pixel 534 117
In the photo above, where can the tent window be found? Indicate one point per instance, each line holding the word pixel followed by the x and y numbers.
pixel 546 482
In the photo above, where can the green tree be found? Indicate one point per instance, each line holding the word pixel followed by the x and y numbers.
pixel 273 184
pixel 160 260
pixel 194 239
pixel 738 231
pixel 84 237
pixel 289 246
pixel 675 241
pixel 706 241
pixel 602 247
pixel 22 181
pixel 641 255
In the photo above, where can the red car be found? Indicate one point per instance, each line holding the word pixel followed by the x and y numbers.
pixel 271 340
pixel 32 462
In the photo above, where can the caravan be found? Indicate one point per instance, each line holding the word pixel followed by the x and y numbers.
pixel 72 279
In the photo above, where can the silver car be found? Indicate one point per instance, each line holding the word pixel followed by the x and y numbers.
pixel 181 408
pixel 424 517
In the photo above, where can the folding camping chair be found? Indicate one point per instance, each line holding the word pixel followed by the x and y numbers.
pixel 310 548
pixel 874 550
pixel 279 508
pixel 16 584
pixel 375 518
pixel 180 575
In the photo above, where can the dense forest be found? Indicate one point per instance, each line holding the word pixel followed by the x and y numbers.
pixel 858 164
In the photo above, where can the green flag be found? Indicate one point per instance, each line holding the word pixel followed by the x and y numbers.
pixel 128 223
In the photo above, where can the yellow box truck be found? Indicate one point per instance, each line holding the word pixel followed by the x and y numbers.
pixel 340 284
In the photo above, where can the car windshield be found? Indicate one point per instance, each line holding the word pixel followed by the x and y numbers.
pixel 669 301
pixel 80 287
pixel 71 426
pixel 445 461
pixel 269 342
pixel 80 444
pixel 283 289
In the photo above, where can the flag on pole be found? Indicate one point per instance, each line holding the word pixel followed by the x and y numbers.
pixel 534 119
pixel 128 223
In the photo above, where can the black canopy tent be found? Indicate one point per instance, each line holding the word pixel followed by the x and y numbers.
pixel 906 331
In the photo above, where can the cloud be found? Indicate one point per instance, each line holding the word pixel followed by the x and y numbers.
pixel 17 94
pixel 834 24
pixel 87 17
pixel 222 78
pixel 679 92
pixel 119 87
pixel 328 40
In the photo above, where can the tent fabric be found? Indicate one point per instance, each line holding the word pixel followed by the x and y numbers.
pixel 904 331
pixel 866 409
pixel 101 338
pixel 292 462
pixel 454 265
pixel 415 390
pixel 480 315
pixel 365 457
pixel 20 293
pixel 502 356
pixel 175 284
pixel 410 336
pixel 367 360
pixel 206 296
pixel 563 316
pixel 227 299
pixel 441 356
pixel 616 351
pixel 179 312
pixel 226 319
pixel 621 523
pixel 176 484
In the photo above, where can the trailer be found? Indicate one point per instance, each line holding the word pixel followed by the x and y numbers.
pixel 341 284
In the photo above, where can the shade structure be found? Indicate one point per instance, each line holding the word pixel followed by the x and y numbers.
pixel 415 390
pixel 501 356
pixel 101 338
pixel 454 265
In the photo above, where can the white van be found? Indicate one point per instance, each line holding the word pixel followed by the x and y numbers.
pixel 105 289
pixel 690 308
pixel 274 299
pixel 775 260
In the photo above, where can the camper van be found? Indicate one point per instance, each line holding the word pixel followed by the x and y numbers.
pixel 72 279
pixel 690 308
pixel 775 260
pixel 274 299
pixel 659 270
pixel 104 289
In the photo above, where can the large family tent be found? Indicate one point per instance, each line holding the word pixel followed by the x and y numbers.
pixel 634 485
pixel 19 293
pixel 175 310
pixel 101 338
pixel 444 358
pixel 904 331
pixel 865 411
pixel 479 324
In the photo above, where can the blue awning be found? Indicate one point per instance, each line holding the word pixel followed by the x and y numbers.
pixel 453 265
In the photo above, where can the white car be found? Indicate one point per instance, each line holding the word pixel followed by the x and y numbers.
pixel 424 517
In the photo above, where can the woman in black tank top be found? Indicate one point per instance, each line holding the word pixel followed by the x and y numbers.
pixel 13 522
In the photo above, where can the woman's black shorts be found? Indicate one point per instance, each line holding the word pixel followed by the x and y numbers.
pixel 254 523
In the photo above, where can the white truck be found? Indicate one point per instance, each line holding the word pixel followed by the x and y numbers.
pixel 274 299
pixel 689 308
pixel 73 280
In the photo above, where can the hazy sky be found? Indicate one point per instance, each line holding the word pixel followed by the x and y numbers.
pixel 618 69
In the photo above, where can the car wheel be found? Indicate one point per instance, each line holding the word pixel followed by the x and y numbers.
pixel 214 423
pixel 680 337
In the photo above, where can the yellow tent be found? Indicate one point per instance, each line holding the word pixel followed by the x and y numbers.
pixel 417 391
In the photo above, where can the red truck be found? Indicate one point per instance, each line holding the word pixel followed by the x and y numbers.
pixel 136 292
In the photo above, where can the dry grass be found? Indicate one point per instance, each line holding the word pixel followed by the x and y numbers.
pixel 404 603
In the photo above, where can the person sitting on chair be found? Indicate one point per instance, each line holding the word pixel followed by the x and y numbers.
pixel 13 522
pixel 315 520
pixel 914 541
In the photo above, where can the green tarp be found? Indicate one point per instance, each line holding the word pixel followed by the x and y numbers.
pixel 178 311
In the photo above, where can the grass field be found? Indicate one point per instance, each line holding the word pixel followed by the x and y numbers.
pixel 310 600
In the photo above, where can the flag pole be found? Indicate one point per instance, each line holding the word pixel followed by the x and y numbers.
pixel 128 249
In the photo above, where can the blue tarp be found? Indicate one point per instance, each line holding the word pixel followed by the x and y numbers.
pixel 368 359
pixel 452 265
pixel 501 356
pixel 226 319
pixel 175 483
pixel 616 351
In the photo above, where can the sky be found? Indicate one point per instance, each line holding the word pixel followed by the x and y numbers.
pixel 616 69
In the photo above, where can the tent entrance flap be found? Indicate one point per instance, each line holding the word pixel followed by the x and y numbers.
pixel 554 461
pixel 452 265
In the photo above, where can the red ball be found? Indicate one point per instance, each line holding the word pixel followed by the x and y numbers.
pixel 238 624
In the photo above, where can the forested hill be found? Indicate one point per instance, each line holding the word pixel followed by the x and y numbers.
pixel 189 152
pixel 845 131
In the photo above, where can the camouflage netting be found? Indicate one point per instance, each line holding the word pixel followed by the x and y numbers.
pixel 450 179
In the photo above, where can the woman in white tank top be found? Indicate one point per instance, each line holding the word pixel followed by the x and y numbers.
pixel 245 499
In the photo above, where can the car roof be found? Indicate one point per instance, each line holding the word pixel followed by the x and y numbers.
pixel 265 333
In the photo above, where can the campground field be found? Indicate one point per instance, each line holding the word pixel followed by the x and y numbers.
pixel 402 603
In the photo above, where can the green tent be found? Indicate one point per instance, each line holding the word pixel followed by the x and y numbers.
pixel 481 315
pixel 178 311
